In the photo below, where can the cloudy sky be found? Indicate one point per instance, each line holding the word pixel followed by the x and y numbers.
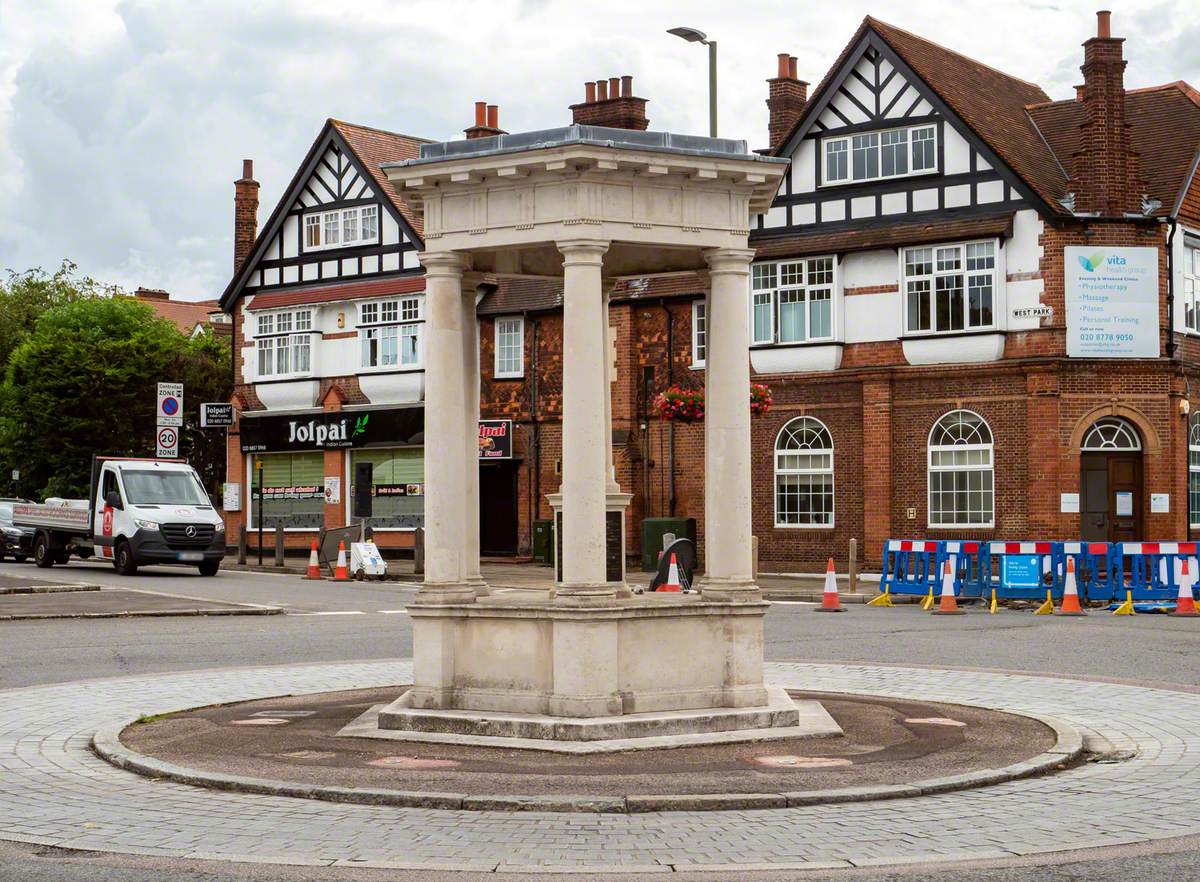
pixel 123 123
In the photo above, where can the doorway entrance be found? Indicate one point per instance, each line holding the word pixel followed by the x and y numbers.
pixel 498 508
pixel 1110 482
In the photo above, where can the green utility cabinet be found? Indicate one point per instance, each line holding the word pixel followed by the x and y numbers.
pixel 543 542
pixel 653 529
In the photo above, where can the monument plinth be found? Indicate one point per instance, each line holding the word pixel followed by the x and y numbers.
pixel 587 661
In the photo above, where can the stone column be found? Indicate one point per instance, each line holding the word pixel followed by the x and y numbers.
pixel 445 404
pixel 729 566
pixel 586 450
pixel 470 438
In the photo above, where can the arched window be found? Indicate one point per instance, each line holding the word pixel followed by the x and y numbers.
pixel 1194 471
pixel 961 476
pixel 1111 433
pixel 804 474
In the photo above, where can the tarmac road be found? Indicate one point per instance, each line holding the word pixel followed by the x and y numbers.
pixel 328 622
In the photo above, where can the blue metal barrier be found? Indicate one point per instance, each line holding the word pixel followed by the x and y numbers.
pixel 1020 570
pixel 1095 570
pixel 1151 569
pixel 910 566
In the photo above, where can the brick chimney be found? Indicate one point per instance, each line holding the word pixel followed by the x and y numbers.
pixel 1105 167
pixel 785 99
pixel 487 121
pixel 245 214
pixel 611 103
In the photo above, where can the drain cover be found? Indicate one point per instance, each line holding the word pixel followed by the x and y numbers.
pixel 935 721
pixel 786 761
pixel 413 762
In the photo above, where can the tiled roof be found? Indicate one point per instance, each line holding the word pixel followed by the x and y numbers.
pixel 375 147
pixel 1164 128
pixel 339 292
pixel 185 314
pixel 893 236
pixel 543 295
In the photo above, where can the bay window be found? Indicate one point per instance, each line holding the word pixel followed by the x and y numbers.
pixel 872 156
pixel 390 331
pixel 283 343
pixel 950 288
pixel 343 227
pixel 792 301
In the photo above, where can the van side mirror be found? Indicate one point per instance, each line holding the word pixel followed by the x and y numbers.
pixel 113 499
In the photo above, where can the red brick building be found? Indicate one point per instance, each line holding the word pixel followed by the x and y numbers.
pixel 975 308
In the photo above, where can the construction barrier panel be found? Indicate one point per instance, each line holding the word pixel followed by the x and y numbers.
pixel 966 563
pixel 1095 570
pixel 1151 569
pixel 910 567
pixel 1020 570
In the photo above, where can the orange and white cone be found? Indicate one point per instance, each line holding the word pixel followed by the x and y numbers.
pixel 948 604
pixel 314 565
pixel 672 583
pixel 1185 604
pixel 1070 601
pixel 829 599
pixel 342 573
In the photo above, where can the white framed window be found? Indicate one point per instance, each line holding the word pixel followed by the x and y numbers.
pixel 1194 471
pixel 961 471
pixel 949 288
pixel 791 301
pixel 874 156
pixel 804 474
pixel 390 333
pixel 1111 433
pixel 283 343
pixel 510 347
pixel 1191 288
pixel 699 333
pixel 341 227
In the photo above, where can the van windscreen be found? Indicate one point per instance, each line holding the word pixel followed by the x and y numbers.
pixel 163 488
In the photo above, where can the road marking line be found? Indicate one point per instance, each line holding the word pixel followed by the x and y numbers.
pixel 386 612
pixel 331 612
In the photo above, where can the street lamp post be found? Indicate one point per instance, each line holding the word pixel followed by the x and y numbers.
pixel 694 36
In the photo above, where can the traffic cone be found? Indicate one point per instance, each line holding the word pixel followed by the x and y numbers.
pixel 1185 604
pixel 948 606
pixel 672 583
pixel 829 599
pixel 342 572
pixel 1070 602
pixel 314 565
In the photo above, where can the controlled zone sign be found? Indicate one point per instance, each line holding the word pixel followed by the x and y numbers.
pixel 170 404
pixel 1112 302
pixel 168 442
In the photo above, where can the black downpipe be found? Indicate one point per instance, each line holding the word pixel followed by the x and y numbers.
pixel 535 429
pixel 1171 288
pixel 670 423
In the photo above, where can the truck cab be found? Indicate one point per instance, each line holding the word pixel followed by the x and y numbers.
pixel 154 511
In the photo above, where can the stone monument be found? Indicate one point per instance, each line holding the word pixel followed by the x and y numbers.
pixel 588 662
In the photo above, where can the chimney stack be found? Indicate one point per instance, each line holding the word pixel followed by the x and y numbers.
pixel 487 121
pixel 1105 167
pixel 245 214
pixel 611 103
pixel 786 96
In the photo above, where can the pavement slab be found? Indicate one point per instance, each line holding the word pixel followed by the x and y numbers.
pixel 53 783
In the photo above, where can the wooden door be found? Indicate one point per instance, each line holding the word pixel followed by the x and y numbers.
pixel 1125 494
pixel 1094 498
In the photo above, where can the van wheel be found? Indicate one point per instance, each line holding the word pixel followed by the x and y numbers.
pixel 210 567
pixel 123 559
pixel 42 555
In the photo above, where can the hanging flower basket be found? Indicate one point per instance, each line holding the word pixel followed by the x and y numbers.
pixel 760 399
pixel 680 405
pixel 687 405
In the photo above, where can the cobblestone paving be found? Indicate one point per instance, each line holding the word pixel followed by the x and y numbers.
pixel 54 791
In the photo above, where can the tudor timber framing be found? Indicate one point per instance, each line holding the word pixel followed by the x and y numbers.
pixel 287 207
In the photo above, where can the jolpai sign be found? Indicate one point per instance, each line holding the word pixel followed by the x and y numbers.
pixel 495 439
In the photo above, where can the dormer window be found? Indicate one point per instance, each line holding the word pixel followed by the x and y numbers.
pixel 344 227
pixel 874 156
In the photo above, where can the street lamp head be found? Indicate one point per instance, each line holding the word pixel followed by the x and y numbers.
pixel 690 34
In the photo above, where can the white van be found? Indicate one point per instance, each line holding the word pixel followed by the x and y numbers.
pixel 139 511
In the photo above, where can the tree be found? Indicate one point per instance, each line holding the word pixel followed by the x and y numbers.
pixel 25 296
pixel 84 383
